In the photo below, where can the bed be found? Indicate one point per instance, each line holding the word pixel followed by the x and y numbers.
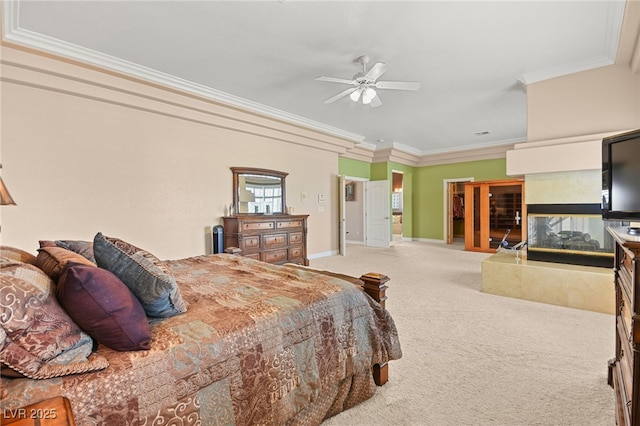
pixel 227 340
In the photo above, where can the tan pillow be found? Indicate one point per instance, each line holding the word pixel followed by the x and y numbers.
pixel 17 254
pixel 37 337
pixel 52 260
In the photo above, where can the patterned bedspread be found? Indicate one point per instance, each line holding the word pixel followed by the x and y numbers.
pixel 259 344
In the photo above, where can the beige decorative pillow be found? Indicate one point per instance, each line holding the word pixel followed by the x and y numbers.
pixel 37 337
pixel 17 254
pixel 52 260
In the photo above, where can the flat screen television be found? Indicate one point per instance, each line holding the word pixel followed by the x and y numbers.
pixel 621 178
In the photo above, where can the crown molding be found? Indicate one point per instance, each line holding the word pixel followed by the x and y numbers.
pixel 490 152
pixel 615 18
pixel 31 39
pixel 361 153
pixel 537 76
pixel 361 150
pixel 615 15
pixel 395 155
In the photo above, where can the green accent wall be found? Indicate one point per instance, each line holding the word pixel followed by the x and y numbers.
pixel 428 191
pixel 381 171
pixel 354 168
pixel 423 188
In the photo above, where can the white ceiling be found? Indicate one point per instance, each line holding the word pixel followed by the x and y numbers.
pixel 469 57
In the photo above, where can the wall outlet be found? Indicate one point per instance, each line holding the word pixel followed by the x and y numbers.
pixel 303 196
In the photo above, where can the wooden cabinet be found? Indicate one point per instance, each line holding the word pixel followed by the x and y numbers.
pixel 278 238
pixel 624 369
pixel 493 209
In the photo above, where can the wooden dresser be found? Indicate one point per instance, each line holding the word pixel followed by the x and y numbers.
pixel 277 238
pixel 624 369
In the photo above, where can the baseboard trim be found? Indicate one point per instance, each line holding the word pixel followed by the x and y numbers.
pixel 323 254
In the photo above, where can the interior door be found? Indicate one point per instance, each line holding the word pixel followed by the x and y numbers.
pixel 505 215
pixel 378 208
pixel 451 187
pixel 494 215
pixel 342 217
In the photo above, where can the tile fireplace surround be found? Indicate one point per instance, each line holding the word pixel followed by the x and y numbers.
pixel 554 175
pixel 574 286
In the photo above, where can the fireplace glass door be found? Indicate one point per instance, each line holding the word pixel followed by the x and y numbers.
pixel 494 215
pixel 569 233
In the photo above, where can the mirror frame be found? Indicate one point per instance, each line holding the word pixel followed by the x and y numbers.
pixel 238 171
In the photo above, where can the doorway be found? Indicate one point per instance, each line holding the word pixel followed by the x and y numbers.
pixel 397 207
pixel 454 202
pixel 494 215
pixel 363 208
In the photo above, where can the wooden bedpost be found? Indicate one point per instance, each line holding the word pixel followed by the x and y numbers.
pixel 375 286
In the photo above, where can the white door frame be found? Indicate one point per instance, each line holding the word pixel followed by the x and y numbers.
pixel 445 185
pixel 342 216
pixel 399 172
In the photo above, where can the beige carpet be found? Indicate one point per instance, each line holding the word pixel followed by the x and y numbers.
pixel 472 358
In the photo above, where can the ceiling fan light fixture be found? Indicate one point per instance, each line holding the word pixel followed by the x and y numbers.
pixel 368 95
pixel 355 95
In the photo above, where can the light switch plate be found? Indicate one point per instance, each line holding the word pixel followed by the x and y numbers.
pixel 320 198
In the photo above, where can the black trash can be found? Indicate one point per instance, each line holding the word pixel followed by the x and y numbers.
pixel 217 235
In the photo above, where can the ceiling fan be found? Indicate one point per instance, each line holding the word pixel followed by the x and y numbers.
pixel 366 82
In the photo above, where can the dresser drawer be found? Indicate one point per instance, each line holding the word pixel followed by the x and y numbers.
pixel 274 240
pixel 283 224
pixel 295 238
pixel 626 355
pixel 630 321
pixel 625 281
pixel 249 243
pixel 625 314
pixel 257 226
pixel 274 256
pixel 626 262
pixel 295 253
pixel 623 402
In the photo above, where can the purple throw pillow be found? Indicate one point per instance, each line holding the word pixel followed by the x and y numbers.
pixel 104 307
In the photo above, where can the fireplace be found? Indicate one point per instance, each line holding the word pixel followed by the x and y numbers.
pixel 569 233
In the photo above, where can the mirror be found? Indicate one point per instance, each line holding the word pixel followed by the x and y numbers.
pixel 258 191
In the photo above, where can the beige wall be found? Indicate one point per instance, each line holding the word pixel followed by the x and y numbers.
pixel 595 101
pixel 86 151
pixel 566 120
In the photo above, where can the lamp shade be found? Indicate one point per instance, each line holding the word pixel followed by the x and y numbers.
pixel 356 95
pixel 368 95
pixel 5 197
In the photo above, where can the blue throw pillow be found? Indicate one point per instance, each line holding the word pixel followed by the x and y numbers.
pixel 145 275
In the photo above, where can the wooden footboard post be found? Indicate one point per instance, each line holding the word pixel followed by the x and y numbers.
pixel 375 286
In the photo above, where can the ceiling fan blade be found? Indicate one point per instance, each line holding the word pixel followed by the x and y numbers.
pixel 335 80
pixel 376 71
pixel 398 85
pixel 375 102
pixel 341 95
